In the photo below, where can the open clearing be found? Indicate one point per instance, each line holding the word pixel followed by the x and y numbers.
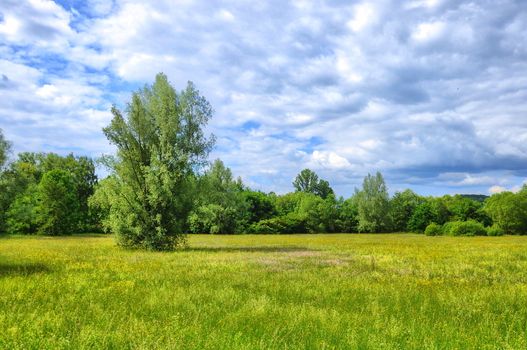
pixel 259 291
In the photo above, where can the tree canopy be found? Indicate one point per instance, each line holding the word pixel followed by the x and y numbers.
pixel 160 145
pixel 373 204
pixel 308 181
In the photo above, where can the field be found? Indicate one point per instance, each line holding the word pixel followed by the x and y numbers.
pixel 397 291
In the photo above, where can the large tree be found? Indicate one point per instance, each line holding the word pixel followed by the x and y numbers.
pixel 373 204
pixel 160 146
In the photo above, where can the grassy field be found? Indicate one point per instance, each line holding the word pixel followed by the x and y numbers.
pixel 266 292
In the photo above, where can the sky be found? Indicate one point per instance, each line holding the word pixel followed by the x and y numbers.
pixel 432 93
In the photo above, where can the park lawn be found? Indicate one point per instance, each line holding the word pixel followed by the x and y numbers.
pixel 346 291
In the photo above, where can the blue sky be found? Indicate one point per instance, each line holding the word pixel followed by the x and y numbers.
pixel 432 93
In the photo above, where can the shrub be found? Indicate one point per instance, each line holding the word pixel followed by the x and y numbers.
pixel 290 223
pixel 213 219
pixel 464 228
pixel 494 230
pixel 433 230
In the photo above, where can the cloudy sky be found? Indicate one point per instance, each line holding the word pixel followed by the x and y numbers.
pixel 431 93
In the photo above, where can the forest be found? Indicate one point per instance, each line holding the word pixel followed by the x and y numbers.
pixel 161 187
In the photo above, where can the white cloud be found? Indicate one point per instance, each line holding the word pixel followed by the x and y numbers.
pixel 417 90
pixel 363 15
pixel 428 31
pixel 327 159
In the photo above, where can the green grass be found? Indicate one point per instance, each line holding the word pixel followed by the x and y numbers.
pixel 261 292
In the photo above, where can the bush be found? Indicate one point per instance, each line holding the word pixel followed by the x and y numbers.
pixel 213 219
pixel 464 228
pixel 290 223
pixel 433 230
pixel 494 230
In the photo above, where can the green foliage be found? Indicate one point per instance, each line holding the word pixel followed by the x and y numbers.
pixel 508 211
pixel 348 212
pixel 160 144
pixel 26 173
pixel 22 213
pixel 288 203
pixel 433 229
pixel 259 206
pixel 402 206
pixel 57 204
pixel 462 208
pixel 324 190
pixel 320 214
pixel 431 210
pixel 100 203
pixel 464 228
pixel 5 146
pixel 14 182
pixel 373 205
pixel 476 197
pixel 289 223
pixel 300 212
pixel 494 231
pixel 220 205
pixel 214 219
pixel 308 181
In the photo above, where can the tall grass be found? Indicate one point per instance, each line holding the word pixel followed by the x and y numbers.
pixel 266 292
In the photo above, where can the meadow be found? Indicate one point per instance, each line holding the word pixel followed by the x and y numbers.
pixel 345 291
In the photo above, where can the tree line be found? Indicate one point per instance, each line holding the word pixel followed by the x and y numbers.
pixel 161 187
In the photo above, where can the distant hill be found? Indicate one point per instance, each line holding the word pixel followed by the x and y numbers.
pixel 476 197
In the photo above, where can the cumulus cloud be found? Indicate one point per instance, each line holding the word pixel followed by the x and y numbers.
pixel 430 92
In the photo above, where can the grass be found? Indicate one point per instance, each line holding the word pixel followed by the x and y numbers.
pixel 266 292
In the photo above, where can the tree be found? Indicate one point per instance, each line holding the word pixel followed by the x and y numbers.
pixel 320 214
pixel 14 182
pixel 348 213
pixel 373 205
pixel 259 206
pixel 27 171
pixel 22 213
pixel 160 147
pixel 57 203
pixel 508 211
pixel 306 181
pixel 402 206
pixel 5 146
pixel 462 208
pixel 430 210
pixel 220 205
pixel 213 219
pixel 100 203
pixel 323 189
